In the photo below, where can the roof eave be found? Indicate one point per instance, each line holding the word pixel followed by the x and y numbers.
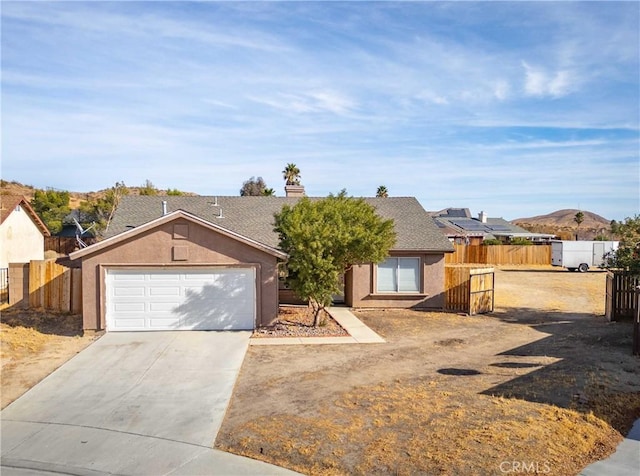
pixel 167 218
pixel 422 250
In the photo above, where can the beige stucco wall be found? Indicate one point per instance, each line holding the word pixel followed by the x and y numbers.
pixel 20 239
pixel 159 247
pixel 360 286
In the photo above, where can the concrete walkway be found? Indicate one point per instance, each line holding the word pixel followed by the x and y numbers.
pixel 624 462
pixel 145 403
pixel 359 333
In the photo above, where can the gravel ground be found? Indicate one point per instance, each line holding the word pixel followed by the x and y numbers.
pixel 297 321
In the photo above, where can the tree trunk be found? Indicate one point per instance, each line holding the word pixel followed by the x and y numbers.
pixel 317 309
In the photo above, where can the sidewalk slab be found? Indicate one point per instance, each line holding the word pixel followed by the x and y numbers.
pixel 354 326
pixel 358 331
pixel 624 462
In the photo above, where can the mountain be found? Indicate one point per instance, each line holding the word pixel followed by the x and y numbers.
pixel 75 198
pixel 562 223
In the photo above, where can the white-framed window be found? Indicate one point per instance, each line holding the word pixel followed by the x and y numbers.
pixel 398 275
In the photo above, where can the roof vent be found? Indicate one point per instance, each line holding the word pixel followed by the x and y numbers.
pixel 220 214
pixel 164 207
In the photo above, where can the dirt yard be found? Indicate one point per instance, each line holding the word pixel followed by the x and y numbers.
pixel 32 345
pixel 545 380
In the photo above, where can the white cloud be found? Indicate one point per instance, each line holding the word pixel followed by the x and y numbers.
pixel 539 82
pixel 201 96
pixel 501 90
pixel 431 97
pixel 316 101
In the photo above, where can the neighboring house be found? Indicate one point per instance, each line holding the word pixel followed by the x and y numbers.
pixel 183 262
pixel 70 229
pixel 71 237
pixel 22 232
pixel 461 228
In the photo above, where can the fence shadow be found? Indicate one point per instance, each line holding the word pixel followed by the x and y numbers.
pixel 595 370
pixel 45 322
pixel 549 270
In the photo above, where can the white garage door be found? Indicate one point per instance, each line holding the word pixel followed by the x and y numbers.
pixel 207 299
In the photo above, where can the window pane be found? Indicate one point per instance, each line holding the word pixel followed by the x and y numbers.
pixel 409 275
pixel 387 276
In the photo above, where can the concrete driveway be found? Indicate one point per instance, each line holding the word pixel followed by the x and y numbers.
pixel 147 403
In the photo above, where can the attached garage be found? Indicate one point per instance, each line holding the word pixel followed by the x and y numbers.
pixel 179 272
pixel 180 299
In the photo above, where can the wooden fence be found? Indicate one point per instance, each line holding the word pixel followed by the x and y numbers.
pixel 620 296
pixel 500 255
pixel 64 244
pixel 55 287
pixel 469 289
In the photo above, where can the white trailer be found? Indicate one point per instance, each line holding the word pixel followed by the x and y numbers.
pixel 581 255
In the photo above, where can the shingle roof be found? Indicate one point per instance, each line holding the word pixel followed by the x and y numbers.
pixel 252 217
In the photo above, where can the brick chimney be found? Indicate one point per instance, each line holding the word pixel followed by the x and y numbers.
pixel 294 190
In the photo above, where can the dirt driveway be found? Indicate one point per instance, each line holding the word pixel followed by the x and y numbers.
pixel 544 381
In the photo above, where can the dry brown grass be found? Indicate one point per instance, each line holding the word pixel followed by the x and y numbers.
pixel 32 345
pixel 544 380
pixel 17 342
pixel 422 428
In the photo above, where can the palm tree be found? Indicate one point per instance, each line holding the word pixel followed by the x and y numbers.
pixel 268 192
pixel 382 192
pixel 291 174
pixel 578 218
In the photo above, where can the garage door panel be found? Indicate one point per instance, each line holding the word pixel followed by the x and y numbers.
pixel 128 277
pixel 169 306
pixel 129 291
pixel 169 323
pixel 192 299
pixel 164 277
pixel 123 307
pixel 128 323
pixel 164 291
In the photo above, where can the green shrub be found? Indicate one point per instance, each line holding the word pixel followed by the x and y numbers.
pixel 519 241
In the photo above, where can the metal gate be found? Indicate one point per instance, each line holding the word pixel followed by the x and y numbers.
pixel 4 285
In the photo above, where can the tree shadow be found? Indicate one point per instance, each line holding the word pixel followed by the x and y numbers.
pixel 594 365
pixel 227 303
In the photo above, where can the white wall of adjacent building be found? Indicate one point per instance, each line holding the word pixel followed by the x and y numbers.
pixel 20 239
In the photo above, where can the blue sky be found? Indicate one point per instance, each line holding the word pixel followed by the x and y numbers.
pixel 514 108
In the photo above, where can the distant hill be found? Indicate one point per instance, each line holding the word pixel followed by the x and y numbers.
pixel 17 188
pixel 562 224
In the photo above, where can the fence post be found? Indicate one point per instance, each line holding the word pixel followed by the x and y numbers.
pixel 636 324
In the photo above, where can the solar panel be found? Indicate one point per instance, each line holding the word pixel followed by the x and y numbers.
pixel 500 228
pixel 471 225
